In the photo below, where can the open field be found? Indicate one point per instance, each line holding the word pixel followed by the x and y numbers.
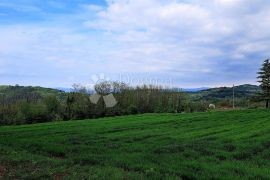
pixel 223 145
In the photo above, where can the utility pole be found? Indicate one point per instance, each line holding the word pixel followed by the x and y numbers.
pixel 233 98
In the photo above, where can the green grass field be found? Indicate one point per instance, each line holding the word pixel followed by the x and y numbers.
pixel 214 145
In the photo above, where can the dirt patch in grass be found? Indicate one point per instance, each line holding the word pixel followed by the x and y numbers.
pixel 2 171
pixel 230 147
pixel 59 176
pixel 58 155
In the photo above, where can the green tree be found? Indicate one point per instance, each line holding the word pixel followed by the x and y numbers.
pixel 69 102
pixel 264 80
pixel 52 104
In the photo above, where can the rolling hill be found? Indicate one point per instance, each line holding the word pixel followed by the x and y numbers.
pixel 15 90
pixel 242 91
pixel 213 145
pixel 12 94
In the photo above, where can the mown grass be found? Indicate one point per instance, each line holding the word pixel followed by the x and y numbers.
pixel 213 145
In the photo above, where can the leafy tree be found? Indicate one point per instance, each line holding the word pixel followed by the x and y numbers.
pixel 52 104
pixel 69 102
pixel 264 79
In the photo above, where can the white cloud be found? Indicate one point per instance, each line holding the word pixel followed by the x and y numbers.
pixel 195 42
pixel 195 33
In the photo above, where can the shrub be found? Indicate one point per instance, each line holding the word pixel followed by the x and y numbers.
pixel 132 109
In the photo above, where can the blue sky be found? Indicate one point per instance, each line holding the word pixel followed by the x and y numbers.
pixel 183 43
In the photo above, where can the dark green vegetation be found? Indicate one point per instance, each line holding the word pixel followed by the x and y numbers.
pixel 264 79
pixel 246 96
pixel 20 105
pixel 241 91
pixel 27 105
pixel 25 91
pixel 219 145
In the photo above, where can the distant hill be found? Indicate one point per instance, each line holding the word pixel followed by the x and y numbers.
pixel 64 89
pixel 194 89
pixel 28 90
pixel 242 91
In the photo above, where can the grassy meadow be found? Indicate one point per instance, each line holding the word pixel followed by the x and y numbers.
pixel 212 145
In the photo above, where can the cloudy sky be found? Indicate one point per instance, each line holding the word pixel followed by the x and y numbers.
pixel 184 43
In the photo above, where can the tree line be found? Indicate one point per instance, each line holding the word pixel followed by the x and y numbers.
pixel 27 108
pixel 23 106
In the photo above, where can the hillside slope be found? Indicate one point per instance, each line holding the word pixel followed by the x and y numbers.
pixel 242 91
pixel 18 90
pixel 214 145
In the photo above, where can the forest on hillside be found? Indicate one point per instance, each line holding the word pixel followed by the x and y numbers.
pixel 27 105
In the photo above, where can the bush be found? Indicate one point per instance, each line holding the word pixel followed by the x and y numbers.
pixel 33 112
pixel 132 109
